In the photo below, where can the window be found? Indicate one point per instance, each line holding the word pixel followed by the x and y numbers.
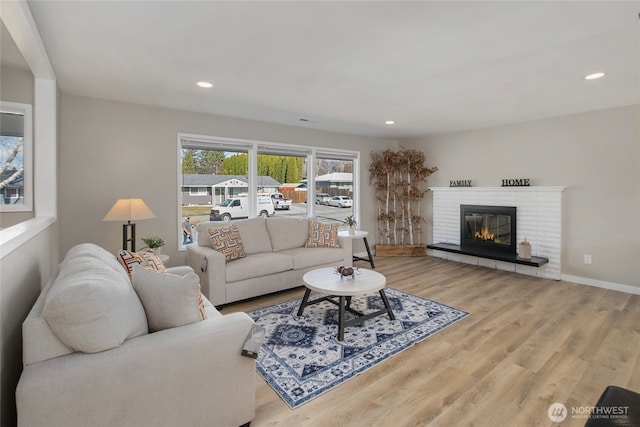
pixel 334 181
pixel 245 179
pixel 208 177
pixel 15 158
pixel 280 177
pixel 198 191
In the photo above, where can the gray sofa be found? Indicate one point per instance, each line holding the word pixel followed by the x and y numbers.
pixel 89 359
pixel 276 258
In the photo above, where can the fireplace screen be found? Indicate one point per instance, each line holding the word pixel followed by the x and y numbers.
pixel 488 227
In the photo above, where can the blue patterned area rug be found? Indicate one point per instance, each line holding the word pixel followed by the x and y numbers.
pixel 301 357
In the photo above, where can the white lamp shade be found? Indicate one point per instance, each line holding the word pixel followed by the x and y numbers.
pixel 129 210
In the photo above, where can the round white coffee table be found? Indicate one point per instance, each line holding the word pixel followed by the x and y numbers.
pixel 328 282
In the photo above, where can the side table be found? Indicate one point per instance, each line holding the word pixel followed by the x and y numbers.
pixel 348 242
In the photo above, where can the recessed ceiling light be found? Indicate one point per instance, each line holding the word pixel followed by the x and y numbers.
pixel 594 76
pixel 389 122
pixel 205 84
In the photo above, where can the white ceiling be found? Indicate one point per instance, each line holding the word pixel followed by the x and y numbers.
pixel 433 66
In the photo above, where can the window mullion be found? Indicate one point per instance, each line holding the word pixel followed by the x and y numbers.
pixel 252 178
pixel 311 188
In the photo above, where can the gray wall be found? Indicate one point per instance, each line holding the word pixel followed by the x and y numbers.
pixel 596 155
pixel 111 150
pixel 22 273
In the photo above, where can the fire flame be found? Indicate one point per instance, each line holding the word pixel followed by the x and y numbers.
pixel 485 235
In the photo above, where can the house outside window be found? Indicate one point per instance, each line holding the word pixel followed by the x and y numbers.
pixel 12 193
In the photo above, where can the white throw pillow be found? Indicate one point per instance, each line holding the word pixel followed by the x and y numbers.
pixel 92 308
pixel 169 300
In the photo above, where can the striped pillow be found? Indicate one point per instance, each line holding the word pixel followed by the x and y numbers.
pixel 227 241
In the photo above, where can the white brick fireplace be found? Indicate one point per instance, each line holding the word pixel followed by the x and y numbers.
pixel 539 220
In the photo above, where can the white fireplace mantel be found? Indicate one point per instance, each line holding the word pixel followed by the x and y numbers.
pixel 554 189
pixel 539 220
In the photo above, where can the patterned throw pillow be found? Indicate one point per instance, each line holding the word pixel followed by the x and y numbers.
pixel 323 235
pixel 146 259
pixel 227 241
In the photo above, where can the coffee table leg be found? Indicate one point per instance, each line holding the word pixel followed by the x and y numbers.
pixel 305 299
pixel 341 319
pixel 386 304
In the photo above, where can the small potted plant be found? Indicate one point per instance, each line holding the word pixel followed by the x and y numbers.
pixel 352 223
pixel 154 243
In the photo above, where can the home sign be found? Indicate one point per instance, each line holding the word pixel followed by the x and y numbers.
pixel 519 182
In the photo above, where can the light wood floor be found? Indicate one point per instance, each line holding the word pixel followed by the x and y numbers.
pixel 528 343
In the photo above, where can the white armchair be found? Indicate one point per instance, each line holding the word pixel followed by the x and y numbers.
pixel 191 375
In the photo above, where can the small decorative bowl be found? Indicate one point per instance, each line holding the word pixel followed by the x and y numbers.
pixel 345 272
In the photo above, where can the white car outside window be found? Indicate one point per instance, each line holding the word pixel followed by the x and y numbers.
pixel 341 201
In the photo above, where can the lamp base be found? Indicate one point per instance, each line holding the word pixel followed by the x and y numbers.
pixel 129 236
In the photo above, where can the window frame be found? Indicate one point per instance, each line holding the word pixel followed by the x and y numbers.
pixel 255 147
pixel 26 110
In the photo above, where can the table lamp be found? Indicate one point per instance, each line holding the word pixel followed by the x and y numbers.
pixel 129 210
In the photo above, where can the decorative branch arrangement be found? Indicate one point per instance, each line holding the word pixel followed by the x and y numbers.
pixel 399 179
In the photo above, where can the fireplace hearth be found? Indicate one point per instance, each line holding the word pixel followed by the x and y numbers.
pixel 488 228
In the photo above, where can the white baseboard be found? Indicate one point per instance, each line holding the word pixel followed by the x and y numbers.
pixel 601 284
